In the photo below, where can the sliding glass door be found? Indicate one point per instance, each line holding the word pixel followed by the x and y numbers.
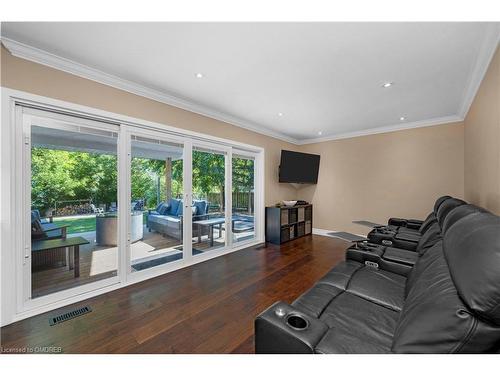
pixel 156 223
pixel 243 196
pixel 209 209
pixel 106 203
pixel 73 213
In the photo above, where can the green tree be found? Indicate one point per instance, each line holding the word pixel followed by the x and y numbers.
pixel 243 178
pixel 59 175
pixel 209 174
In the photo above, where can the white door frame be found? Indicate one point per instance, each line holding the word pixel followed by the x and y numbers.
pixel 227 151
pixel 11 197
pixel 28 117
pixel 128 132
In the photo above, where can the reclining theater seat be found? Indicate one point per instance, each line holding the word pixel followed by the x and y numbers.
pixel 409 240
pixel 450 302
pixel 414 225
pixel 401 261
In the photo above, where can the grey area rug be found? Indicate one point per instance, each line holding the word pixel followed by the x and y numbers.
pixel 366 223
pixel 347 236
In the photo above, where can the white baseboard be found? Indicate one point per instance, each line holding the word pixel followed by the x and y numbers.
pixel 322 232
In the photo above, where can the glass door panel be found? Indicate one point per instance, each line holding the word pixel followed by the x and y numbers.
pixel 209 200
pixel 74 207
pixel 243 198
pixel 156 224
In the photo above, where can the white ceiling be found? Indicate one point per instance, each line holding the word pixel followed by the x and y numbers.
pixel 322 76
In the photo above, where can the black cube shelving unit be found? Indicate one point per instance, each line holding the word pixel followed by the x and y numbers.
pixel 284 223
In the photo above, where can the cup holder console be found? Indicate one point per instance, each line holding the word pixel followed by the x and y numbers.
pixel 294 330
pixel 297 322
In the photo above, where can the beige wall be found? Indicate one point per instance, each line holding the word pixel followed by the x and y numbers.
pixel 38 79
pixel 392 174
pixel 371 177
pixel 482 142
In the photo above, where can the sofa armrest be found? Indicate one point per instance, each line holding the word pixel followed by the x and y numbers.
pixel 373 255
pixel 284 329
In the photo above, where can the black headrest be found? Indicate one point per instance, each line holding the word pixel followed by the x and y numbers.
pixel 460 212
pixel 445 208
pixel 439 201
pixel 472 250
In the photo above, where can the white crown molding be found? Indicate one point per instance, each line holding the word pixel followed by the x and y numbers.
pixel 486 52
pixel 386 129
pixel 39 56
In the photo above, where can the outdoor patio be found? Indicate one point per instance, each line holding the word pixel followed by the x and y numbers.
pixel 100 262
pixel 74 198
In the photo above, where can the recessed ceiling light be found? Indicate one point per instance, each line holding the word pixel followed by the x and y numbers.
pixel 387 84
pixel 402 118
pixel 320 132
pixel 280 114
pixel 199 75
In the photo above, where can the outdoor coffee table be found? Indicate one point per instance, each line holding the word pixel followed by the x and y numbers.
pixel 238 226
pixel 73 242
pixel 210 223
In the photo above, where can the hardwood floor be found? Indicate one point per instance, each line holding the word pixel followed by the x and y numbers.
pixel 207 308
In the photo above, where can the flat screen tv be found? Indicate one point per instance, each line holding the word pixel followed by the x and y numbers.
pixel 298 167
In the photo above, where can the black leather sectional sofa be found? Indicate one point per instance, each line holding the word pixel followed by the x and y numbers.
pixel 440 296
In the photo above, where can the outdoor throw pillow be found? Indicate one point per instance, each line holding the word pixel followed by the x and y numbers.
pixel 158 208
pixel 163 209
pixel 201 206
pixel 174 206
pixel 180 209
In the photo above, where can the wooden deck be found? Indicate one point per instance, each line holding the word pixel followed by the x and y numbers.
pixel 100 262
pixel 206 308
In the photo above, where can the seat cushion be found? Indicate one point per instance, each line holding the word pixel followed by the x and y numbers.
pixel 341 274
pixel 316 299
pixel 381 287
pixel 407 236
pixel 400 256
pixel 163 219
pixel 408 230
pixel 357 326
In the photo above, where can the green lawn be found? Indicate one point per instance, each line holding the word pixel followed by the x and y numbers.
pixel 77 225
pixel 82 224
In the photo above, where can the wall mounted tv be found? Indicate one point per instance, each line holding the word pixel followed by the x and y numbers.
pixel 298 167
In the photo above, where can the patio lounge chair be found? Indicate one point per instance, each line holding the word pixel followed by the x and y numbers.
pixel 44 228
pixel 96 210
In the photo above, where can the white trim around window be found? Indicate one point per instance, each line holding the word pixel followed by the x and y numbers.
pixel 12 197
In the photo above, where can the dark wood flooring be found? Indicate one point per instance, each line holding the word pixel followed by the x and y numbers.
pixel 207 308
